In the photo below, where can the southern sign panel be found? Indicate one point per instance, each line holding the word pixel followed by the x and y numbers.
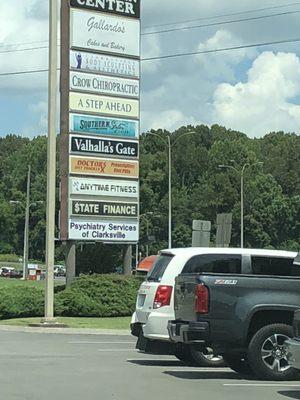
pixel 100 146
pixel 104 167
pixel 104 126
pixel 103 230
pixel 104 84
pixel 100 32
pixel 104 208
pixel 104 105
pixel 104 187
pixel 104 64
pixel 127 8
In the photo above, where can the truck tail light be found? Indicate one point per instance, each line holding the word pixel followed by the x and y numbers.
pixel 201 299
pixel 162 296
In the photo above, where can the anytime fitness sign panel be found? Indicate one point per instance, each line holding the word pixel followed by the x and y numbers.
pixel 105 231
pixel 104 167
pixel 100 32
pixel 103 64
pixel 104 187
pixel 104 126
pixel 126 8
pixel 104 85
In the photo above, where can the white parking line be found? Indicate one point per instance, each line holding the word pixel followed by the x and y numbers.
pixel 115 350
pixel 262 384
pixel 101 343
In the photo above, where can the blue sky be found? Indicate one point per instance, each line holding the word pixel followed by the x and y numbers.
pixel 253 90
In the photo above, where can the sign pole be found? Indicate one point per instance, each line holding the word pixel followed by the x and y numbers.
pixel 51 163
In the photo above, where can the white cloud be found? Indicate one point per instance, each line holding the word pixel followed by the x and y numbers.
pixel 150 48
pixel 265 102
pixel 169 119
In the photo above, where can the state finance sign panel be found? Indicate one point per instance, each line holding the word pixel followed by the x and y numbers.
pixel 125 8
pixel 104 84
pixel 104 126
pixel 104 230
pixel 104 64
pixel 103 208
pixel 104 33
pixel 104 187
pixel 104 105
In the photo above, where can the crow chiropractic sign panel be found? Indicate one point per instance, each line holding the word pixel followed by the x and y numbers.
pixel 100 120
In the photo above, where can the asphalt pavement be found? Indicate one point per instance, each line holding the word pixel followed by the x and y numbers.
pixel 37 366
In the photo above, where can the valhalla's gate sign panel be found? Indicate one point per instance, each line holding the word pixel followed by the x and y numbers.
pixel 100 111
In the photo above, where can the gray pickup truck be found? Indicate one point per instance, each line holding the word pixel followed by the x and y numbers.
pixel 242 304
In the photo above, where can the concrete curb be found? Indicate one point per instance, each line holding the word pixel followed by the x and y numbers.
pixel 65 331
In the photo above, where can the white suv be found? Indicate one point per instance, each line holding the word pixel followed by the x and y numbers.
pixel 155 302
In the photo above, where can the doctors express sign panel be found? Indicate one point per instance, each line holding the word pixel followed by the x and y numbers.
pixel 126 8
pixel 100 32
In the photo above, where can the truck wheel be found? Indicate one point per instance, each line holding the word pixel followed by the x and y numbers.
pixel 267 353
pixel 206 358
pixel 238 363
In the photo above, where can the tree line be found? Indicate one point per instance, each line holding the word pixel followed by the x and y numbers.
pixel 200 190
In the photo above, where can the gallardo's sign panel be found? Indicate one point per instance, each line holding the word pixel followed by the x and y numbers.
pixel 104 167
pixel 97 146
pixel 110 65
pixel 105 231
pixel 103 209
pixel 104 105
pixel 104 126
pixel 104 187
pixel 103 33
pixel 104 85
pixel 127 8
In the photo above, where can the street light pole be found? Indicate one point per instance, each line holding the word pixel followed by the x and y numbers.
pixel 26 227
pixel 51 162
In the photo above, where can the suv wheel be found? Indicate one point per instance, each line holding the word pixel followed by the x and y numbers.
pixel 238 363
pixel 206 358
pixel 267 353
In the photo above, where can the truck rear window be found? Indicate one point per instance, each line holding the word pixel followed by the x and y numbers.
pixel 159 268
pixel 274 266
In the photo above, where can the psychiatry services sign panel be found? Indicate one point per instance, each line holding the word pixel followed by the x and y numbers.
pixel 104 126
pixel 104 187
pixel 104 85
pixel 104 64
pixel 104 105
pixel 103 146
pixel 104 230
pixel 103 33
pixel 104 167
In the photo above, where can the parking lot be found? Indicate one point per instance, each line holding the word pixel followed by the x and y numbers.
pixel 44 366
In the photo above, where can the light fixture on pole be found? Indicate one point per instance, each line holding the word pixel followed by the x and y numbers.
pixel 241 173
pixel 170 145
pixel 147 229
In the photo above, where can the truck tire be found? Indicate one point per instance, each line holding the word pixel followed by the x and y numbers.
pixel 196 358
pixel 238 363
pixel 267 353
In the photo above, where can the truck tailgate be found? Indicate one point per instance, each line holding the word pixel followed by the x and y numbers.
pixel 184 297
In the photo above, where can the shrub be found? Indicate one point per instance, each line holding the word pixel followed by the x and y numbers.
pixel 17 302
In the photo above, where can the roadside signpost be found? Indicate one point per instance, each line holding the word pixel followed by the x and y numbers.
pixel 100 112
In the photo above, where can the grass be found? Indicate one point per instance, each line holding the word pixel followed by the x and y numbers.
pixel 92 323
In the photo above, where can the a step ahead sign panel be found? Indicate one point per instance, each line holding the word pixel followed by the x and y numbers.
pixel 103 33
pixel 103 230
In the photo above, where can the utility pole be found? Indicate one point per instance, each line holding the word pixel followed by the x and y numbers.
pixel 51 163
pixel 26 227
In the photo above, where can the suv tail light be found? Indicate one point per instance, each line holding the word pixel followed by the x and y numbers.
pixel 162 296
pixel 202 299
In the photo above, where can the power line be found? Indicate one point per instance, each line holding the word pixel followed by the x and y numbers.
pixel 225 15
pixel 28 49
pixel 262 44
pixel 22 44
pixel 222 23
pixel 222 49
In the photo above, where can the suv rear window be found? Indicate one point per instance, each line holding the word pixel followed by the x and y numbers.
pixel 274 266
pixel 214 263
pixel 158 269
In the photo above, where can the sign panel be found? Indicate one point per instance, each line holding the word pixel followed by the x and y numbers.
pixel 100 146
pixel 103 230
pixel 104 84
pixel 104 208
pixel 104 105
pixel 104 167
pixel 110 65
pixel 100 32
pixel 104 126
pixel 104 187
pixel 127 8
